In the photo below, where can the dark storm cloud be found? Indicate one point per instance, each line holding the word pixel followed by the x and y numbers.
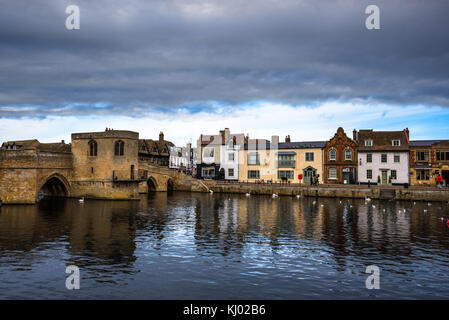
pixel 133 55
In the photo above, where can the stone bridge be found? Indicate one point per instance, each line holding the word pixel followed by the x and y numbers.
pixel 28 174
pixel 156 178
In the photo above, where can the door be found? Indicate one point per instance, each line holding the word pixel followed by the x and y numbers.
pixel 445 175
pixel 384 176
pixel 309 172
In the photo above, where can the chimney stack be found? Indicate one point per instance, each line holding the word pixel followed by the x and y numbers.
pixel 355 135
pixel 287 138
pixel 161 136
pixel 407 133
pixel 275 140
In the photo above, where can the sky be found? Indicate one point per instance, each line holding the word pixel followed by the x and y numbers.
pixel 261 67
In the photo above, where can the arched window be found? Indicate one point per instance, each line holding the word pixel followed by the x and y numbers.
pixel 348 154
pixel 119 148
pixel 93 148
pixel 332 154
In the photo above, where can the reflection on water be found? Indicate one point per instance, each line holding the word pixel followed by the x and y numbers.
pixel 201 246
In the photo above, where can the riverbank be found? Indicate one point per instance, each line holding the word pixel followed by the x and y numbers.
pixel 334 191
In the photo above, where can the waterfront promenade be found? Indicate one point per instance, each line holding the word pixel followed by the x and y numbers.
pixel 411 193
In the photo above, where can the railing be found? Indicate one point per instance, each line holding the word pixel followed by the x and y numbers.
pixel 285 164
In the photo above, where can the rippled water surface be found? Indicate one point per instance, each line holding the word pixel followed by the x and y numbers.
pixel 201 246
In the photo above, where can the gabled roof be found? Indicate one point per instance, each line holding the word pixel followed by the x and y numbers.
pixel 155 147
pixel 34 144
pixel 382 140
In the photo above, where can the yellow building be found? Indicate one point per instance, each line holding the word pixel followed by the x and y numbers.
pixel 275 162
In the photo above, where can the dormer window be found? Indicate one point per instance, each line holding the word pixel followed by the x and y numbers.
pixel 368 142
pixel 396 142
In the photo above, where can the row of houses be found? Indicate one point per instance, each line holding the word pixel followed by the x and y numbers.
pixel 369 157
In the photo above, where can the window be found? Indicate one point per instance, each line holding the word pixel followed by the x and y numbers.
pixel 422 155
pixel 396 142
pixel 231 156
pixel 91 170
pixel 442 155
pixel 397 158
pixel 285 174
pixel 369 174
pixel 332 154
pixel 393 175
pixel 333 173
pixel 348 154
pixel 369 157
pixel 422 174
pixel 230 172
pixel 383 157
pixel 368 142
pixel 208 173
pixel 119 148
pixel 231 143
pixel 208 152
pixel 92 148
pixel 253 158
pixel 286 161
pixel 253 174
pixel 309 156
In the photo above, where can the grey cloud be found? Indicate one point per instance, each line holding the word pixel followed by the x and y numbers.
pixel 138 54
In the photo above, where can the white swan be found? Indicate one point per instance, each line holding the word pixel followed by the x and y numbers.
pixel 248 194
pixel 81 200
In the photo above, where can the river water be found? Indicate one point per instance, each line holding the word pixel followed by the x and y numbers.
pixel 202 246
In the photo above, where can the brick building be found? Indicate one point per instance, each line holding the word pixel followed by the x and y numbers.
pixel 340 159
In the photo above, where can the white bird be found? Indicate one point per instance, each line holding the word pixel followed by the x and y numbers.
pixel 313 202
pixel 322 205
pixel 429 204
pixel 441 218
pixel 211 191
pixel 298 196
pixel 414 203
pixel 81 200
pixel 367 199
pixel 425 210
pixel 340 201
pixel 274 195
pixel 247 194
pixel 374 206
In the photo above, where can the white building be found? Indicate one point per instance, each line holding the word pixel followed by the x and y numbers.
pixel 229 162
pixel 217 156
pixel 383 156
pixel 182 157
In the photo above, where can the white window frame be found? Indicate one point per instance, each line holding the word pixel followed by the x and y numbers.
pixel 329 173
pixel 368 142
pixel 332 158
pixel 394 141
pixel 346 158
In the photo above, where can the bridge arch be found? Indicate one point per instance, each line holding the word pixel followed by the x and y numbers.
pixel 55 185
pixel 152 184
pixel 170 184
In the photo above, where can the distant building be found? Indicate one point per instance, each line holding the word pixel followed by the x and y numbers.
pixel 155 152
pixel 383 156
pixel 340 159
pixel 428 159
pixel 182 158
pixel 217 155
pixel 276 161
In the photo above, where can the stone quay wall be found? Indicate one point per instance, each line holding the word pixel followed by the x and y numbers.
pixel 332 191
